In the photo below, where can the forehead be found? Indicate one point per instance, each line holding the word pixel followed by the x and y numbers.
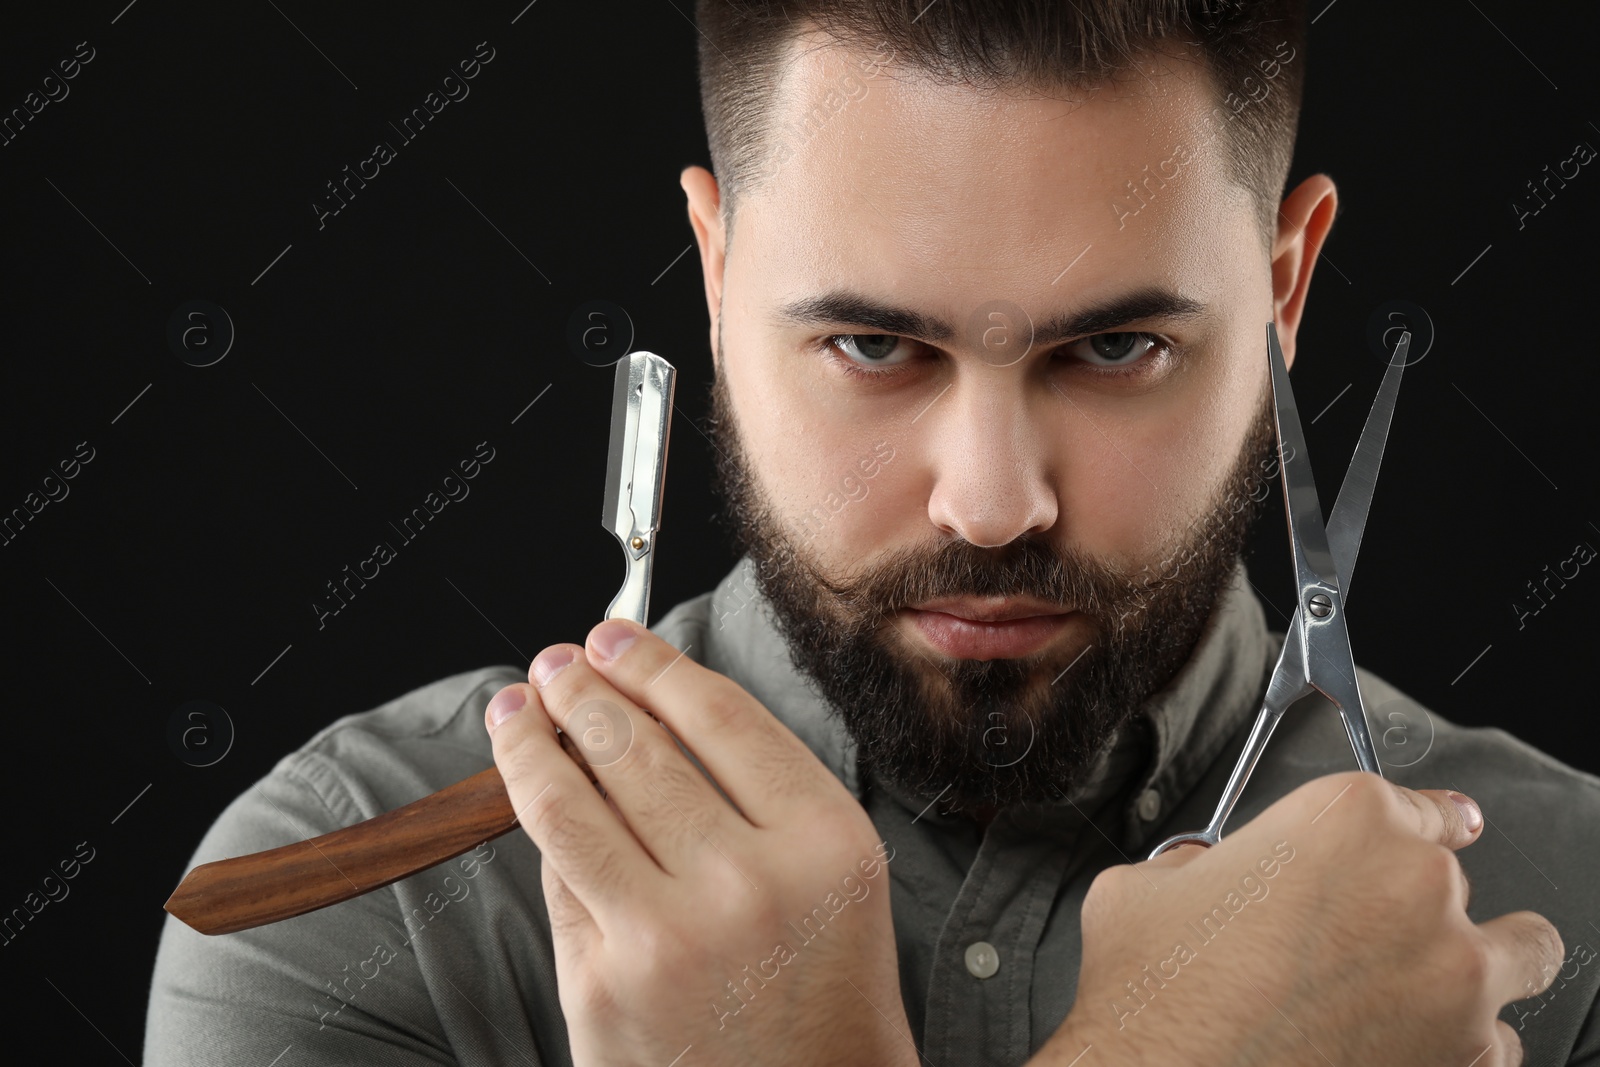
pixel 876 173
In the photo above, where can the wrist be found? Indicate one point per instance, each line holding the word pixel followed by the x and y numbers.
pixel 1070 1041
pixel 1112 1044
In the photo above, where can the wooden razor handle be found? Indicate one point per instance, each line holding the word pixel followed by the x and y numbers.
pixel 224 896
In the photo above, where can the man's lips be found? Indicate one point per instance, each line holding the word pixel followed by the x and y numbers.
pixel 993 629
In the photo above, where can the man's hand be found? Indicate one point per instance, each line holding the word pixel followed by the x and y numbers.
pixel 1330 928
pixel 756 931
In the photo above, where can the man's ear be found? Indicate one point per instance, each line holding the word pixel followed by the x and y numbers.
pixel 1304 219
pixel 705 216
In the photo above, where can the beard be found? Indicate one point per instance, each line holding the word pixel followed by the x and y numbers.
pixel 984 734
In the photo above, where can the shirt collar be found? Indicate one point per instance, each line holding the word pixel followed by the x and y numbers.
pixel 1174 738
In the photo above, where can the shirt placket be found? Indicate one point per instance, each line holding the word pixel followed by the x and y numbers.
pixel 981 989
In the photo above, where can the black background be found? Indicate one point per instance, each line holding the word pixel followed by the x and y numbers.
pixel 427 316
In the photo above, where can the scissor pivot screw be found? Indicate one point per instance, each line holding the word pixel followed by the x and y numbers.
pixel 638 542
pixel 1321 605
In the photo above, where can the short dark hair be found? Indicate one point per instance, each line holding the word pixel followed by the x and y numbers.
pixel 1254 51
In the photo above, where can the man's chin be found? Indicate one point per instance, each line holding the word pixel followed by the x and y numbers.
pixel 988 733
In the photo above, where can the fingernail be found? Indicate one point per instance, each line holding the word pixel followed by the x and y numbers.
pixel 612 638
pixel 505 704
pixel 1470 814
pixel 550 663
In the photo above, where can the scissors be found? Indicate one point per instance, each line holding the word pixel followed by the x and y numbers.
pixel 1316 654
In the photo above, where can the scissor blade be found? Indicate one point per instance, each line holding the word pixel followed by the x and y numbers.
pixel 1308 538
pixel 1349 516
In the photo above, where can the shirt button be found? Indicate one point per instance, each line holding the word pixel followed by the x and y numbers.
pixel 982 959
pixel 1149 805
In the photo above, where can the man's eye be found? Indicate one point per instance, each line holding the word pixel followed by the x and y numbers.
pixel 865 355
pixel 1113 349
pixel 872 349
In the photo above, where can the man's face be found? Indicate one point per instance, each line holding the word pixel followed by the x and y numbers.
pixel 1103 475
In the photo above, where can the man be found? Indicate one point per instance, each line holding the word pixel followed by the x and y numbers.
pixel 991 420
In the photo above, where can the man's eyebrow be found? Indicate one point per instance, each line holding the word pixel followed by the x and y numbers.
pixel 846 308
pixel 1139 305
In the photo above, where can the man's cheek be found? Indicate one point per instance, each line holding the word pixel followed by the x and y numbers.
pixel 879 521
pixel 1113 499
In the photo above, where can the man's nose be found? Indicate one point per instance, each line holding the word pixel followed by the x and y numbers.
pixel 992 467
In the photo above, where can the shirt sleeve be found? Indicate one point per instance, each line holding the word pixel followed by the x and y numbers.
pixel 335 986
pixel 1586 1051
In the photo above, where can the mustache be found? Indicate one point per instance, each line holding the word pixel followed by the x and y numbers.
pixel 1032 566
pixel 1025 567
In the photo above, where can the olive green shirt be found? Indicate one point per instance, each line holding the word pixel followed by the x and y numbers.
pixel 455 965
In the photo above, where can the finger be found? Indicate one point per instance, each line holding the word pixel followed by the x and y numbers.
pixel 571 748
pixel 1448 818
pixel 1462 816
pixel 1507 1045
pixel 595 854
pixel 1525 954
pixel 668 804
pixel 570 921
pixel 763 767
pixel 1443 816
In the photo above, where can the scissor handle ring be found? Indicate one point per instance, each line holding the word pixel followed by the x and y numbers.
pixel 1203 838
